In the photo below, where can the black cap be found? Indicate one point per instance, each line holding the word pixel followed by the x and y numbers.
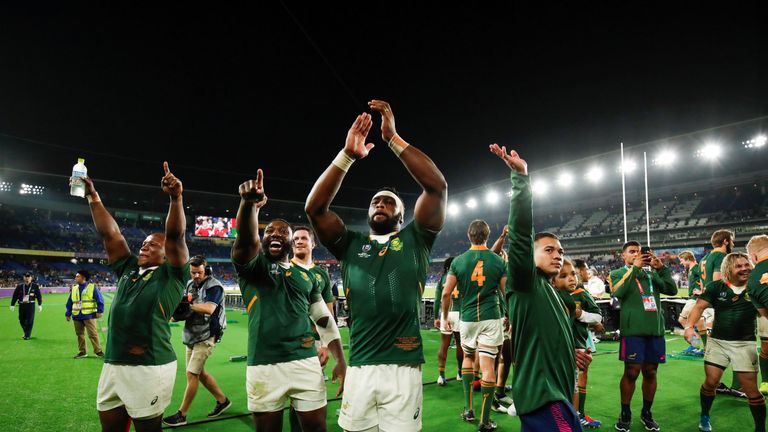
pixel 27 274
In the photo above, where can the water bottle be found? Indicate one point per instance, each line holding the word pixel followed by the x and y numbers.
pixel 77 187
pixel 695 340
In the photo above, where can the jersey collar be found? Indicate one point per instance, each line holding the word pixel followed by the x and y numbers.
pixel 382 238
pixel 478 247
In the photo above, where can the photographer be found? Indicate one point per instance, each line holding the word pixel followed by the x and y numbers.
pixel 202 309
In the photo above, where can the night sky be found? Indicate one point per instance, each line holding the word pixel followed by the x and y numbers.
pixel 277 86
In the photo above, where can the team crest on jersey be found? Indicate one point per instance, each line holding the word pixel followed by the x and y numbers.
pixel 318 278
pixel 304 276
pixel 764 279
pixel 746 297
pixel 396 244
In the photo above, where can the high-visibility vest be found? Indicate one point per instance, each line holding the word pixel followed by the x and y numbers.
pixel 85 305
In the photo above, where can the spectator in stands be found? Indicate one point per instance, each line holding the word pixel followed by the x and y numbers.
pixel 757 248
pixel 140 365
pixel 26 294
pixel 281 298
pixel 733 337
pixel 542 339
pixel 85 305
pixel 385 339
pixel 204 322
pixel 641 327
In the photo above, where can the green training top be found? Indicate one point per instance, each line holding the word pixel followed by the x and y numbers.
pixel 383 284
pixel 734 313
pixel 277 298
pixel 710 265
pixel 139 332
pixel 694 281
pixel 640 295
pixel 542 339
pixel 586 303
pixel 758 284
pixel 478 272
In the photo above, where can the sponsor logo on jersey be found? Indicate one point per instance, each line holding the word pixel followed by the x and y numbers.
pixel 154 401
pixel 364 254
pixel 416 414
pixel 273 269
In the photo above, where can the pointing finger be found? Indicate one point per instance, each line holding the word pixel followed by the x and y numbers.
pixel 165 168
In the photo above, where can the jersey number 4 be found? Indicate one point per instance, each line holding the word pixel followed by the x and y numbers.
pixel 477 274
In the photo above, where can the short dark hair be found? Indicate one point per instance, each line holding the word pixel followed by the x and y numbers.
pixel 478 231
pixel 579 263
pixel 720 236
pixel 628 244
pixel 304 228
pixel 544 234
pixel 197 261
pixel 84 273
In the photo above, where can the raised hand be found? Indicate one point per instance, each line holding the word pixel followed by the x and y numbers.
pixel 252 191
pixel 355 146
pixel 89 188
pixel 387 118
pixel 512 159
pixel 171 185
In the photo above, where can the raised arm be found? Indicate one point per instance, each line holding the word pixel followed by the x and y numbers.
pixel 328 225
pixel 430 207
pixel 114 242
pixel 499 243
pixel 175 223
pixel 247 243
pixel 520 249
pixel 662 277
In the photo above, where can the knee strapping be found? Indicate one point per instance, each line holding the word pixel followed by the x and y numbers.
pixel 468 351
pixel 489 352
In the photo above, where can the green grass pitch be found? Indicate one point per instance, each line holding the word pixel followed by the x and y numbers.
pixel 44 389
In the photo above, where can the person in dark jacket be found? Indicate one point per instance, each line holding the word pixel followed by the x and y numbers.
pixel 27 294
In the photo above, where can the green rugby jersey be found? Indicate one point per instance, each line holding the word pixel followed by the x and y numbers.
pixel 694 281
pixel 710 264
pixel 542 338
pixel 631 285
pixel 455 298
pixel 383 283
pixel 583 300
pixel 734 313
pixel 478 272
pixel 277 299
pixel 758 284
pixel 139 330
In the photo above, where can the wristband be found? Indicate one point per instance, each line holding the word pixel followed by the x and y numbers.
pixel 397 145
pixel 343 161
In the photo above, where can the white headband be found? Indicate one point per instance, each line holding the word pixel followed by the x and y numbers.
pixel 395 197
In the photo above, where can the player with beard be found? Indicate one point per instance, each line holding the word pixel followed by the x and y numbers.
pixel 542 338
pixel 722 242
pixel 282 359
pixel 732 341
pixel 384 272
pixel 757 248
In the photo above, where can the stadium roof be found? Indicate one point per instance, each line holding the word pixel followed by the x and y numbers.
pixel 277 84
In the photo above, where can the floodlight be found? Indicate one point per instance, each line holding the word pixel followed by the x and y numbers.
pixel 539 187
pixel 666 158
pixel 710 151
pixel 472 203
pixel 453 209
pixel 565 179
pixel 595 174
pixel 760 141
pixel 5 186
pixel 491 197
pixel 629 166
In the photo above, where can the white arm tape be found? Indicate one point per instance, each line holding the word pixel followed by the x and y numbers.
pixel 328 333
pixel 590 317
